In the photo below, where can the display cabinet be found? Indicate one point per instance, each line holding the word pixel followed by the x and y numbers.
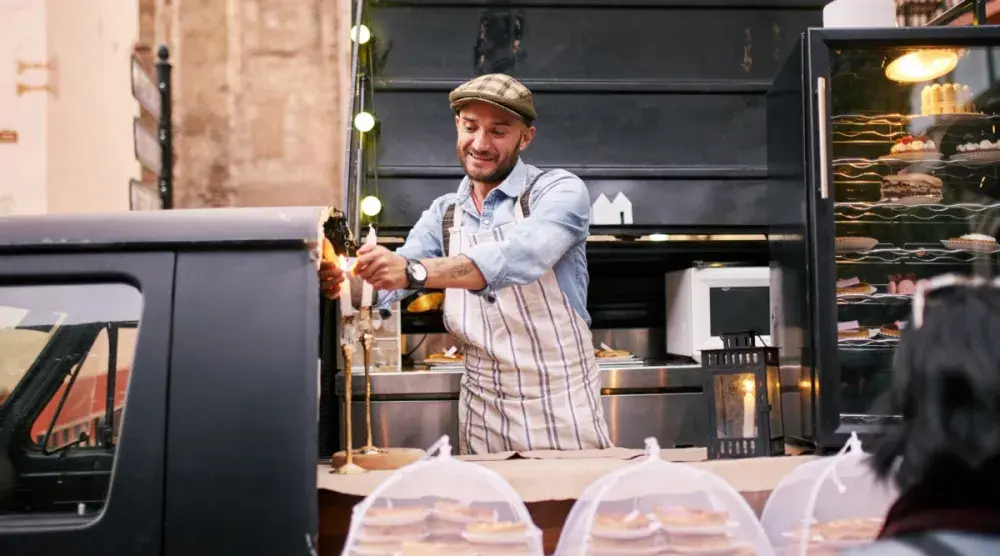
pixel 888 140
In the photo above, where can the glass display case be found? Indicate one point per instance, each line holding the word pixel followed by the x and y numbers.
pixel 887 140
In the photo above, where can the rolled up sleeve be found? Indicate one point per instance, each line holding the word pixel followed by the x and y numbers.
pixel 559 219
pixel 423 242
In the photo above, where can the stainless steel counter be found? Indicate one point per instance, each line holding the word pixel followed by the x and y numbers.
pixel 415 407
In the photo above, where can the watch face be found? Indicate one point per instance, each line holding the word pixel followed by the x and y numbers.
pixel 419 272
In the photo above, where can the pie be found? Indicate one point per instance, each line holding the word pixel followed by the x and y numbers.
pixel 893 329
pixel 609 353
pixel 856 334
pixel 974 242
pixel 456 511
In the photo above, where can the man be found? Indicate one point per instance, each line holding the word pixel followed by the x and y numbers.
pixel 509 248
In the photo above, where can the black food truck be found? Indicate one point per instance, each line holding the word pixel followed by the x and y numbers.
pixel 159 382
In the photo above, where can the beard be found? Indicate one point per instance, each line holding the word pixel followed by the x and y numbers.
pixel 505 165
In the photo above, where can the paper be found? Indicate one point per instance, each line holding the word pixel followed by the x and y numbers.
pixel 847 282
pixel 849 325
pixel 451 351
pixel 622 208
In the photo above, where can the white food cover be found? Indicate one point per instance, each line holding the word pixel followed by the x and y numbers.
pixel 835 503
pixel 442 505
pixel 659 507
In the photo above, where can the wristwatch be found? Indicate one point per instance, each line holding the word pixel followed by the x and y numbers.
pixel 416 274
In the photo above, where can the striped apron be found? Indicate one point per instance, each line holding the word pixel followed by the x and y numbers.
pixel 531 380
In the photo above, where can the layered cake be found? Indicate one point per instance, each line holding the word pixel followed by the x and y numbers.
pixel 916 148
pixel 907 187
pixel 950 98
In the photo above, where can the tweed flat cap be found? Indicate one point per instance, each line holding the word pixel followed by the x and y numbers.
pixel 498 89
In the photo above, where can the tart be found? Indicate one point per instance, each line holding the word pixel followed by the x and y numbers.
pixel 910 189
pixel 689 517
pixel 979 243
pixel 913 148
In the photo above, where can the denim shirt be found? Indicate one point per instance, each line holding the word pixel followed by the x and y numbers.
pixel 553 236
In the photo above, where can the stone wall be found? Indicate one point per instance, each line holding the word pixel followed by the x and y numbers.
pixel 260 92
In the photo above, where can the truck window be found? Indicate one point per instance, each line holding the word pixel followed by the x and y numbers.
pixel 66 355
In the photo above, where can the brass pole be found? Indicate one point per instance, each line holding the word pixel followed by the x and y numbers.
pixel 349 467
pixel 367 339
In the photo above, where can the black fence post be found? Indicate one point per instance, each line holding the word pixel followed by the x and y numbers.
pixel 165 135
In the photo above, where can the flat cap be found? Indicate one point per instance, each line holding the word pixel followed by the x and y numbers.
pixel 498 89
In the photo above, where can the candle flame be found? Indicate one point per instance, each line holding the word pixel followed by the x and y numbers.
pixel 748 386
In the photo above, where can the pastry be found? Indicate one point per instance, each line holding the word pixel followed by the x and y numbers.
pixel 910 147
pixel 849 529
pixel 363 547
pixel 986 147
pixel 414 512
pixel 609 353
pixel 852 331
pixel 463 513
pixel 902 284
pixel 853 286
pixel 601 545
pixel 619 522
pixel 950 98
pixel 893 329
pixel 854 244
pixel 715 540
pixel 498 528
pixel 974 242
pixel 689 517
pixel 421 548
pixel 444 358
pixel 907 186
pixel 380 532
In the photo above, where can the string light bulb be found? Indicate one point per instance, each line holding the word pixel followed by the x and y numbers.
pixel 371 206
pixel 361 34
pixel 364 122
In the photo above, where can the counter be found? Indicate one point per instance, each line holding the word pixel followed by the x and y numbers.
pixel 413 408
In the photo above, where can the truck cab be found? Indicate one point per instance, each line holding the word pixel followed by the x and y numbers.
pixel 159 382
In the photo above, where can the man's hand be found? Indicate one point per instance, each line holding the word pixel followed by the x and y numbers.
pixel 330 278
pixel 381 268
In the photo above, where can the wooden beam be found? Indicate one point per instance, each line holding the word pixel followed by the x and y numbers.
pixel 992 15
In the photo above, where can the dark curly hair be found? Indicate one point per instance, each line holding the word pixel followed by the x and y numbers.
pixel 946 385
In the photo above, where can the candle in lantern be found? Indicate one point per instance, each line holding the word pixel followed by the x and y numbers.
pixel 749 408
pixel 346 304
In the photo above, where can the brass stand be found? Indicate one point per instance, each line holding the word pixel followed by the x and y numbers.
pixel 367 339
pixel 347 346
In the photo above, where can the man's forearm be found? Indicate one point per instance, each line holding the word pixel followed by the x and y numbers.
pixel 453 272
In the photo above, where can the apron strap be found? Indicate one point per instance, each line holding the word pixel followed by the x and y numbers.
pixel 452 215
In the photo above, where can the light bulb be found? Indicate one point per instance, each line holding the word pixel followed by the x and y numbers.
pixel 364 122
pixel 370 206
pixel 748 386
pixel 658 237
pixel 360 37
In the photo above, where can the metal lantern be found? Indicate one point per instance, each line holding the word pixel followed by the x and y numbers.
pixel 743 391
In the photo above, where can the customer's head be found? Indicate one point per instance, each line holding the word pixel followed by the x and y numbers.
pixel 946 385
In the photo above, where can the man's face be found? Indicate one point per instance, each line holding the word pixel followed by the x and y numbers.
pixel 489 141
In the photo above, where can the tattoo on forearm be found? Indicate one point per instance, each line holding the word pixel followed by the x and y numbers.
pixel 454 272
pixel 463 267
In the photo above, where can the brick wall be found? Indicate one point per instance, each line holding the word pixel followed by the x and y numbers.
pixel 260 89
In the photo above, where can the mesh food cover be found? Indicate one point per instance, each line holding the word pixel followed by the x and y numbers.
pixel 442 505
pixel 659 507
pixel 827 505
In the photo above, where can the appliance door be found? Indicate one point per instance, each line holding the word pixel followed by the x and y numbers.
pixel 900 164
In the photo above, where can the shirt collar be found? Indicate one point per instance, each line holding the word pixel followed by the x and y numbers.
pixel 510 187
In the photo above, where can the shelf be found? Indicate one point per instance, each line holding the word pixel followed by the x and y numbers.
pixel 921 253
pixel 875 299
pixel 891 212
pixel 875 344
